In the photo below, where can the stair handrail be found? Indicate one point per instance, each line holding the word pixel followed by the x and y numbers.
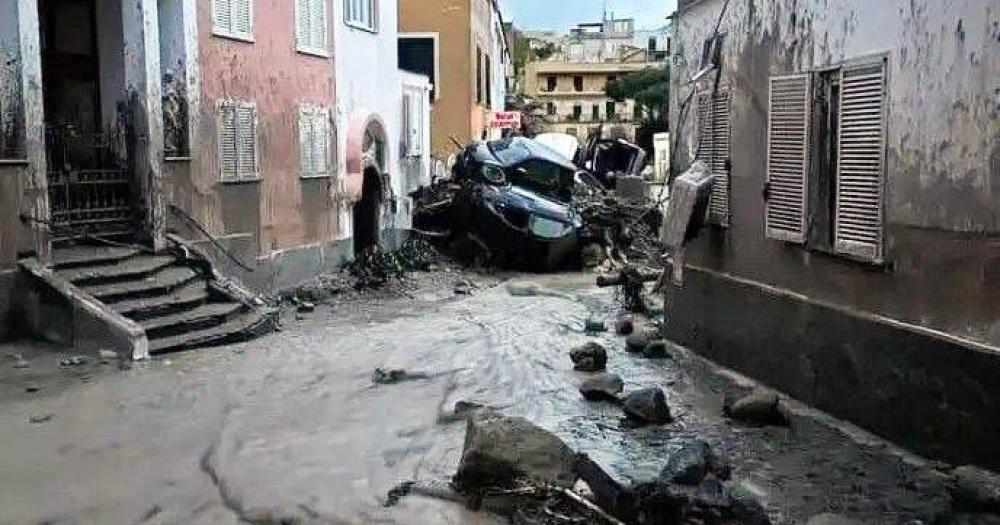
pixel 194 222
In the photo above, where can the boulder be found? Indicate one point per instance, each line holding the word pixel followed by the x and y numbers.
pixel 624 325
pixel 648 406
pixel 975 489
pixel 689 465
pixel 590 357
pixel 746 508
pixel 602 387
pixel 656 350
pixel 639 340
pixel 499 451
pixel 760 407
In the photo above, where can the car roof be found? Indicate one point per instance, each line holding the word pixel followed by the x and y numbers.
pixel 515 150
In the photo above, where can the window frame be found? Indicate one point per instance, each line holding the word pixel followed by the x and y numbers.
pixel 237 105
pixel 357 23
pixel 413 111
pixel 308 48
pixel 436 37
pixel 230 32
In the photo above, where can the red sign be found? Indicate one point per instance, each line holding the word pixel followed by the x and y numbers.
pixel 505 119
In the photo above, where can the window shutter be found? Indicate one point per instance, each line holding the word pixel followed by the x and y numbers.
pixel 713 149
pixel 861 163
pixel 227 142
pixel 321 143
pixel 407 136
pixel 416 109
pixel 302 24
pixel 789 103
pixel 223 14
pixel 305 143
pixel 243 17
pixel 246 136
pixel 317 24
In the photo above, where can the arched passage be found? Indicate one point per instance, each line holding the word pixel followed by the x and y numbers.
pixel 367 212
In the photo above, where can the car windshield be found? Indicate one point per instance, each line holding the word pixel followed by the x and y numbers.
pixel 543 177
pixel 508 151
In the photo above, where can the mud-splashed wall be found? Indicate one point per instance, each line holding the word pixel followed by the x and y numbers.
pixel 11 106
pixel 943 169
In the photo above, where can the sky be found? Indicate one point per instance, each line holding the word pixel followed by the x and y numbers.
pixel 563 14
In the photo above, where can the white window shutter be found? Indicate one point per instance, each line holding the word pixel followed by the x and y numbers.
pixel 788 129
pixel 222 14
pixel 407 136
pixel 861 163
pixel 718 211
pixel 305 143
pixel 321 137
pixel 243 17
pixel 317 24
pixel 228 163
pixel 415 129
pixel 246 135
pixel 302 25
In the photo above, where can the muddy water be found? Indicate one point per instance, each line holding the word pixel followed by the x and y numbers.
pixel 291 426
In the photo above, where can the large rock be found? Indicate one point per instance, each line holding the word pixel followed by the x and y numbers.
pixel 500 450
pixel 975 489
pixel 639 340
pixel 760 407
pixel 656 350
pixel 624 325
pixel 590 357
pixel 689 465
pixel 602 387
pixel 648 406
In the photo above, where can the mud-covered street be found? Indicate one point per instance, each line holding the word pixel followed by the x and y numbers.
pixel 290 428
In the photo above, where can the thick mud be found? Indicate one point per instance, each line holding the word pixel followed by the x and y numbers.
pixel 291 427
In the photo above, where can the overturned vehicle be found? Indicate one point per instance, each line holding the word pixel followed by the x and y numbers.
pixel 518 203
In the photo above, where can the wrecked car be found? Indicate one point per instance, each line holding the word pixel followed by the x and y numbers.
pixel 516 203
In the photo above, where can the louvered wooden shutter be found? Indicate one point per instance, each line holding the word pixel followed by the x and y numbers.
pixel 317 24
pixel 246 135
pixel 305 143
pixel 713 149
pixel 228 163
pixel 861 163
pixel 321 142
pixel 243 17
pixel 788 158
pixel 302 23
pixel 222 11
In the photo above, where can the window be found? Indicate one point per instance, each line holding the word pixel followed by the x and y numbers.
pixel 314 141
pixel 577 83
pixel 413 124
pixel 577 112
pixel 479 75
pixel 551 83
pixel 713 148
pixel 826 160
pixel 550 108
pixel 489 82
pixel 362 14
pixel 310 26
pixel 652 44
pixel 596 112
pixel 419 53
pixel 612 78
pixel 609 110
pixel 238 141
pixel 233 18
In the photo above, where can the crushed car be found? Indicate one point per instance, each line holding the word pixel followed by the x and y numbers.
pixel 518 203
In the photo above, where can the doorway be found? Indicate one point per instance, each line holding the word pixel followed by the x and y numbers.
pixel 367 213
pixel 86 131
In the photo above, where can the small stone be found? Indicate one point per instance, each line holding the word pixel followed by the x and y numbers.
pixel 624 325
pixel 43 418
pixel 602 387
pixel 648 405
pixel 656 350
pixel 582 489
pixel 594 325
pixel 387 377
pixel 108 355
pixel 76 360
pixel 689 465
pixel 31 389
pixel 760 407
pixel 590 357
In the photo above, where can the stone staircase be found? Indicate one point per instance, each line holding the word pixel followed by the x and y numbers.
pixel 174 299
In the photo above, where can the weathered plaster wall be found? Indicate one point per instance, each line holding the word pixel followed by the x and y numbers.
pixel 452 20
pixel 943 202
pixel 280 211
pixel 11 107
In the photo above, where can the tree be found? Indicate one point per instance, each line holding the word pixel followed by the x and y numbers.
pixel 650 89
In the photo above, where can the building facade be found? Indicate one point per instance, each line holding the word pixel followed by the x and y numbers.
pixel 214 122
pixel 573 100
pixel 852 259
pixel 465 52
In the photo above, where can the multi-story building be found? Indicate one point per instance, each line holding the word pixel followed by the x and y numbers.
pixel 853 258
pixel 572 95
pixel 604 41
pixel 461 46
pixel 151 121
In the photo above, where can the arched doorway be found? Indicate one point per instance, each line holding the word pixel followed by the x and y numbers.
pixel 367 212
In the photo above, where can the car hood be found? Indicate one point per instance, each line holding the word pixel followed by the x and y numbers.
pixel 519 198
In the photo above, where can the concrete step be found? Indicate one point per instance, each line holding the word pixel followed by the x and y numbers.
pixel 202 317
pixel 77 256
pixel 160 283
pixel 138 267
pixel 250 324
pixel 189 296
